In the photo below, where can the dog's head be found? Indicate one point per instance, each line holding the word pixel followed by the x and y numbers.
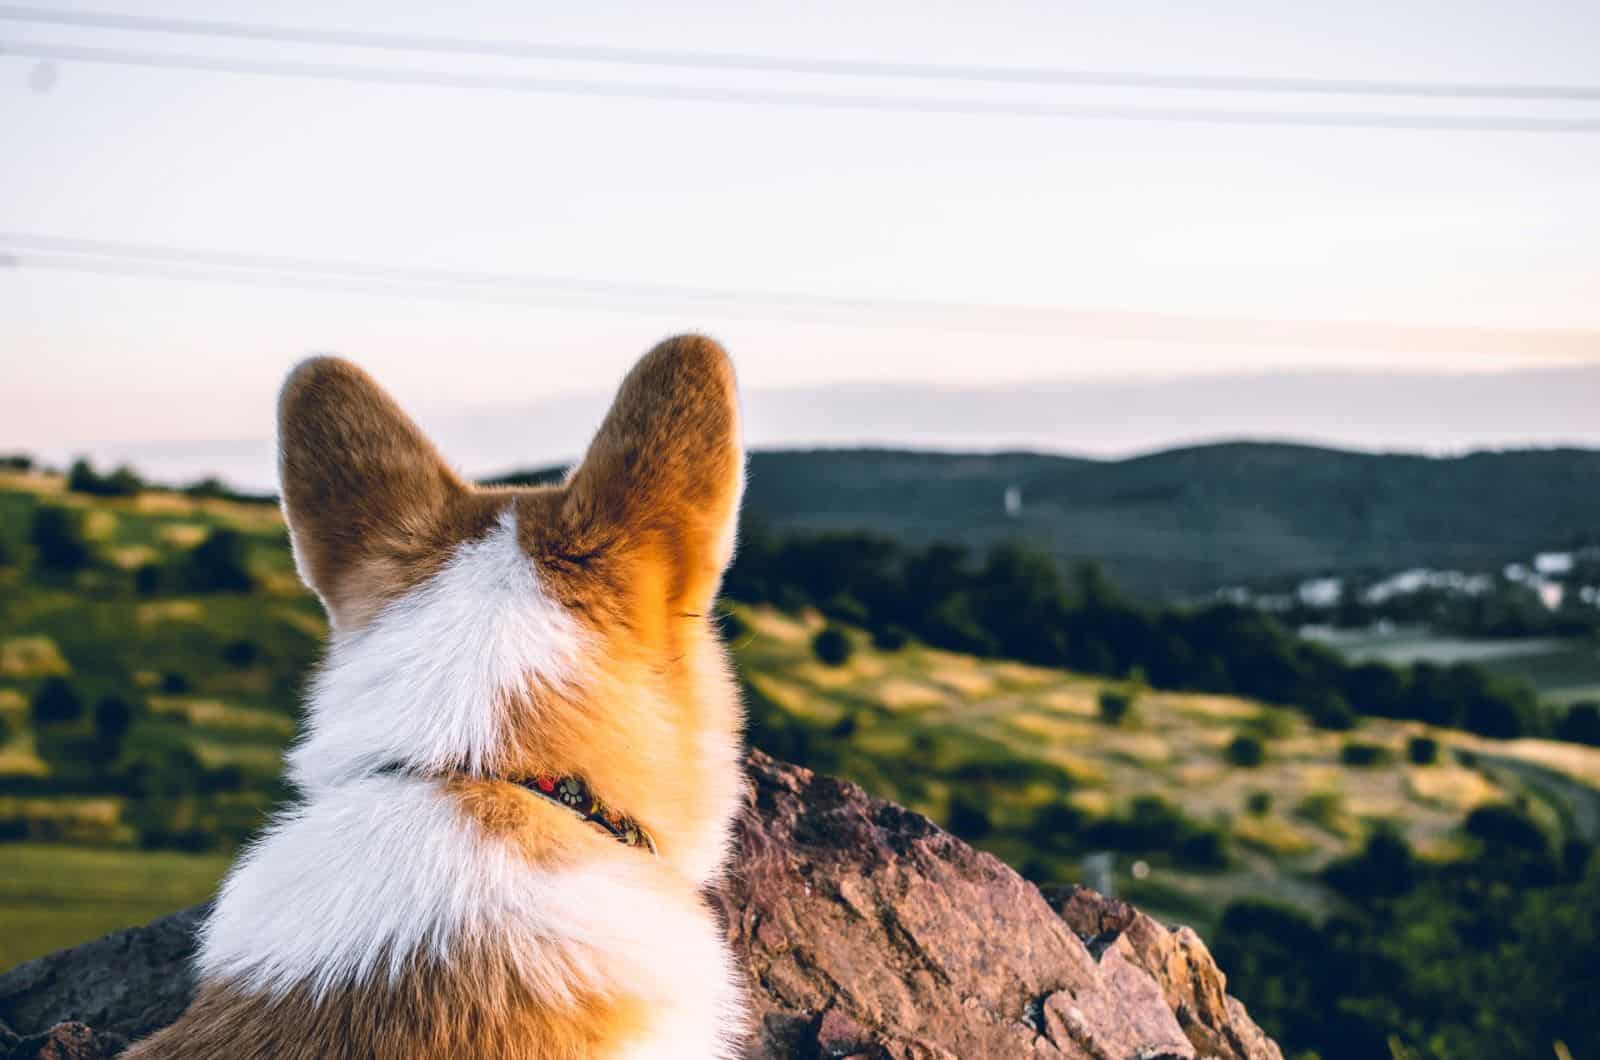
pixel 506 633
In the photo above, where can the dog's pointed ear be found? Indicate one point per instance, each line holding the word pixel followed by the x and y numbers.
pixel 665 472
pixel 362 486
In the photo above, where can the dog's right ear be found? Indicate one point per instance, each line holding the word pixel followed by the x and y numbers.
pixel 364 492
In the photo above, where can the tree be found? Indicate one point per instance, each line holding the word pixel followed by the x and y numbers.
pixel 122 482
pixel 56 702
pixel 113 717
pixel 832 646
pixel 1246 751
pixel 1423 750
pixel 1115 705
pixel 1580 724
pixel 57 534
pixel 217 564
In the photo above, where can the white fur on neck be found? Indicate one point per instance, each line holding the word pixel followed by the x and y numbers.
pixel 348 887
pixel 424 683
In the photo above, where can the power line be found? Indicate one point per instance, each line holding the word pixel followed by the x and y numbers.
pixel 690 59
pixel 783 98
pixel 56 253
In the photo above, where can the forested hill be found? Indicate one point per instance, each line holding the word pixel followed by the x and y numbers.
pixel 1189 520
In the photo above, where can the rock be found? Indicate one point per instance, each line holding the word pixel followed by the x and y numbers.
pixel 129 982
pixel 66 1041
pixel 867 932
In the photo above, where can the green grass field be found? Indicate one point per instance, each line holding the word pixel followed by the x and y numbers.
pixel 53 896
pixel 1015 758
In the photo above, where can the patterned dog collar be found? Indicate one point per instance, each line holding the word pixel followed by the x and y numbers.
pixel 570 793
pixel 574 794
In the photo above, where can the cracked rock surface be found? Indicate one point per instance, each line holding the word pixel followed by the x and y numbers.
pixel 867 932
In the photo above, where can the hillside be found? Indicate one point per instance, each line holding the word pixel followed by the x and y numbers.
pixel 153 648
pixel 1008 755
pixel 1186 521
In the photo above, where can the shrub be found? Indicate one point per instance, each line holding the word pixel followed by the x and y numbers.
pixel 1206 848
pixel 969 818
pixel 56 702
pixel 113 717
pixel 1271 723
pixel 1501 827
pixel 1246 751
pixel 148 579
pixel 122 482
pixel 1115 705
pixel 1054 824
pixel 832 646
pixel 176 683
pixel 16 462
pixel 1328 710
pixel 241 654
pixel 1580 724
pixel 5 730
pixel 844 728
pixel 1423 750
pixel 57 534
pixel 217 564
pixel 890 638
pixel 1363 755
pixel 1258 803
pixel 1385 868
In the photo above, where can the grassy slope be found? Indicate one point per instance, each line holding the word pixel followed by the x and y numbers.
pixel 920 717
pixel 53 896
pixel 1022 737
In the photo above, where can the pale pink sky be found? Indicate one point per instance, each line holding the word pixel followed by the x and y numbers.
pixel 1456 251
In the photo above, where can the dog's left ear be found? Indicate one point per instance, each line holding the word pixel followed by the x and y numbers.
pixel 663 477
pixel 364 492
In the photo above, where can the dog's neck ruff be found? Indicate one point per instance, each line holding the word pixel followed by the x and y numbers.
pixel 573 794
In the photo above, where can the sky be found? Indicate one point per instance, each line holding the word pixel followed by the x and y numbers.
pixel 862 246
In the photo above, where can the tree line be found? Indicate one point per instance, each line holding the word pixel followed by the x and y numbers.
pixel 1015 603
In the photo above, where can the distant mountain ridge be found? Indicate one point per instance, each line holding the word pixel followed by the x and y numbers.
pixel 1189 520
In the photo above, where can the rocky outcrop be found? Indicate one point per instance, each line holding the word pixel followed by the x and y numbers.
pixel 867 933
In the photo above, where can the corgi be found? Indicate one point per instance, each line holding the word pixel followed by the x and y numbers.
pixel 521 756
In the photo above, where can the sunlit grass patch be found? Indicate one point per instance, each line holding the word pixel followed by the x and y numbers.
pixel 966 679
pixel 67 818
pixel 35 656
pixel 18 757
pixel 795 698
pixel 99 524
pixel 1053 729
pixel 170 611
pixel 184 535
pixel 1576 761
pixel 1451 787
pixel 785 629
pixel 252 758
pixel 1077 701
pixel 1142 748
pixel 1326 809
pixel 1080 769
pixel 1206 706
pixel 1273 835
pixel 818 675
pixel 1207 773
pixel 1022 675
pixel 220 715
pixel 1093 802
pixel 900 693
pixel 130 557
